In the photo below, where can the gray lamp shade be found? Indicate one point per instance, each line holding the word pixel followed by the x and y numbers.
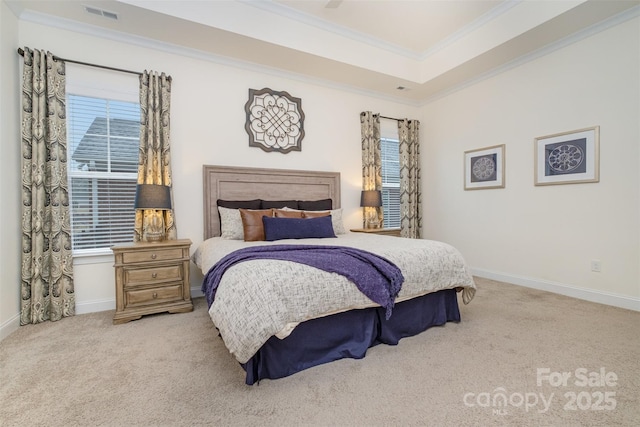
pixel 371 198
pixel 152 196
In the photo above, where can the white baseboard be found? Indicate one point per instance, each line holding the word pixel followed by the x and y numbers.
pixel 13 324
pixel 94 306
pixel 608 298
pixel 110 304
pixel 10 326
pixel 601 297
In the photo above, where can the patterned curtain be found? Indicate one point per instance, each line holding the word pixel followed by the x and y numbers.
pixel 154 161
pixel 47 265
pixel 371 158
pixel 410 195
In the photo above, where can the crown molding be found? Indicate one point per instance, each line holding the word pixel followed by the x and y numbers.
pixel 298 16
pixel 74 26
pixel 611 22
pixel 481 21
pixel 148 43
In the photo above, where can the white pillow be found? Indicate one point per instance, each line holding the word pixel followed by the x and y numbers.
pixel 336 219
pixel 230 224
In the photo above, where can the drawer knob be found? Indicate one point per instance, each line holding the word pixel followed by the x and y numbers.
pixel 153 256
pixel 154 275
pixel 155 295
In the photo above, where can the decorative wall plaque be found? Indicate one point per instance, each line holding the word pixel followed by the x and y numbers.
pixel 484 168
pixel 275 120
pixel 568 157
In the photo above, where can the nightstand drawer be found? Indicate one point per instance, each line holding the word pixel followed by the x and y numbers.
pixel 138 276
pixel 151 255
pixel 154 295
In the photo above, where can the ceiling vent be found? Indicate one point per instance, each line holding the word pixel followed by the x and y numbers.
pixel 333 4
pixel 100 12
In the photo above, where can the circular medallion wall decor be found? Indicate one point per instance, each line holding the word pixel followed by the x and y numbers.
pixel 275 120
pixel 484 168
pixel 566 157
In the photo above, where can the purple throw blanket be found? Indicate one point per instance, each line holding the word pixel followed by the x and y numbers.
pixel 375 276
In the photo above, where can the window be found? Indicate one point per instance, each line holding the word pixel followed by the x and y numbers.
pixel 390 153
pixel 103 140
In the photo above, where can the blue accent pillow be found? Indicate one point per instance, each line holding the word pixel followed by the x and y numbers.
pixel 297 228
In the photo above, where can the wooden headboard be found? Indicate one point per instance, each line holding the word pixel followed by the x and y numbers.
pixel 238 183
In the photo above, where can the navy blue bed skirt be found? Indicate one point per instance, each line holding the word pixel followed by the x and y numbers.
pixel 349 334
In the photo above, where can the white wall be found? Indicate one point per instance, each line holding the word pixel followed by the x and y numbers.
pixel 10 246
pixel 545 236
pixel 207 127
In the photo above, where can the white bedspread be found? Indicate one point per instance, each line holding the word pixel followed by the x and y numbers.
pixel 261 298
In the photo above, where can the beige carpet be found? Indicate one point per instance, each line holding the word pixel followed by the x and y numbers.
pixel 173 369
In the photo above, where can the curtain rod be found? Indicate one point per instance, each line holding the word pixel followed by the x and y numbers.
pixel 57 58
pixel 391 118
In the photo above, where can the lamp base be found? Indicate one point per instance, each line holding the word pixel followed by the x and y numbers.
pixel 154 237
pixel 154 232
pixel 371 220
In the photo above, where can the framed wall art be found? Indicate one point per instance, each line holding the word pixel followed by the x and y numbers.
pixel 568 158
pixel 484 168
pixel 275 120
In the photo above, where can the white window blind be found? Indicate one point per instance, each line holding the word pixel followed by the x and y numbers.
pixel 390 152
pixel 103 139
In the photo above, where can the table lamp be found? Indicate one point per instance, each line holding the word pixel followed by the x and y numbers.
pixel 370 200
pixel 156 198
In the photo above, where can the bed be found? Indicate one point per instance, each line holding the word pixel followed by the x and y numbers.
pixel 279 317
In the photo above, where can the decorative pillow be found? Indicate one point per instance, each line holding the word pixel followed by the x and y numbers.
pixel 315 205
pixel 297 228
pixel 252 223
pixel 336 218
pixel 278 204
pixel 230 224
pixel 286 213
pixel 237 204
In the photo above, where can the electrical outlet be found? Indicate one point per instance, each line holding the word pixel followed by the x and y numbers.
pixel 596 265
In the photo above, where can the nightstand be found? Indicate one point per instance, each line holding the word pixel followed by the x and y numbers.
pixel 151 278
pixel 384 231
